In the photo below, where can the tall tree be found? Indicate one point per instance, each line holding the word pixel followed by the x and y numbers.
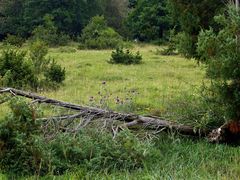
pixel 194 15
pixel 148 20
pixel 221 53
pixel 115 12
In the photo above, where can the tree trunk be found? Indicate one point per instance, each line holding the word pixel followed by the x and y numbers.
pixel 129 120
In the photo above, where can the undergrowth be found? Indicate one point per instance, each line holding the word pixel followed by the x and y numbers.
pixel 26 151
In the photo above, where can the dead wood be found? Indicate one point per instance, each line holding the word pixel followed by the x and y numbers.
pixel 129 120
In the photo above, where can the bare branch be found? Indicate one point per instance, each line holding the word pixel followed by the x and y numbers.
pixel 90 113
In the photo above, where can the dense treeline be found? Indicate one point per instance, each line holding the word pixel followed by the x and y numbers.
pixel 22 16
pixel 146 20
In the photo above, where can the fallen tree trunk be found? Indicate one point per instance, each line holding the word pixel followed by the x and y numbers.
pixel 130 120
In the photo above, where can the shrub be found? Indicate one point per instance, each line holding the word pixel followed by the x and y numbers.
pixel 48 33
pixel 55 73
pixel 17 137
pixel 16 70
pixel 171 49
pixel 97 35
pixel 207 45
pixel 221 53
pixel 14 40
pixel 184 44
pixel 119 56
pixel 49 73
pixel 37 52
pixel 34 70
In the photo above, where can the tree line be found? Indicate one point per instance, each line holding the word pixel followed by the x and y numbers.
pixel 70 16
pixel 146 20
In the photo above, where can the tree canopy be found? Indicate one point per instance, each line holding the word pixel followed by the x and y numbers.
pixel 148 20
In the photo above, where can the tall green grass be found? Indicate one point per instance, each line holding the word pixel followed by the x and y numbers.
pixel 177 158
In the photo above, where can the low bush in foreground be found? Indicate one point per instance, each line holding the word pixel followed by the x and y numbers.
pixel 26 151
pixel 120 56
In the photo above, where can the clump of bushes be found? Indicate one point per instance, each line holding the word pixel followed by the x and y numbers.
pixel 49 33
pixel 121 56
pixel 97 35
pixel 33 70
pixel 13 40
pixel 25 151
pixel 16 70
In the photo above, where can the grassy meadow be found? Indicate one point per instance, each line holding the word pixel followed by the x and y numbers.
pixel 147 88
pixel 152 86
pixel 156 80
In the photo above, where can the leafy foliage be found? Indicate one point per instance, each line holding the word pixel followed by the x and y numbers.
pixel 189 17
pixel 115 12
pixel 15 69
pixel 37 53
pixel 98 151
pixel 55 73
pixel 184 44
pixel 97 35
pixel 220 51
pixel 172 44
pixel 48 33
pixel 34 70
pixel 14 40
pixel 148 20
pixel 24 150
pixel 17 138
pixel 11 17
pixel 125 57
pixel 48 72
pixel 23 16
pixel 207 44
